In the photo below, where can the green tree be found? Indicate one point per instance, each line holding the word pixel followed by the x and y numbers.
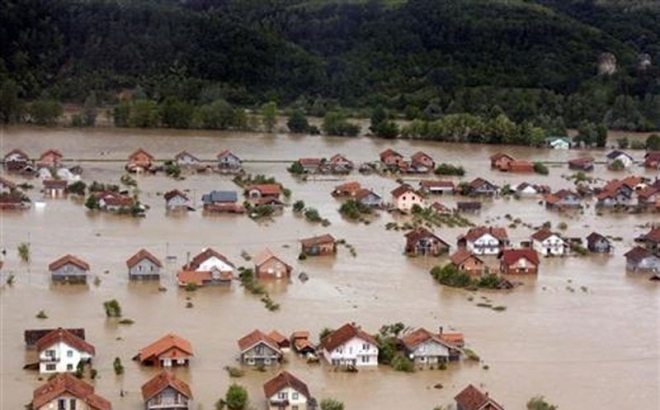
pixel 623 142
pixel 331 404
pixel 269 116
pixel 539 403
pixel 236 397
pixel 653 142
pixel 45 112
pixel 176 114
pixel 601 135
pixel 297 122
pixel 378 116
pixel 121 113
pixel 219 115
pixel 10 105
pixel 90 110
pixel 335 123
pixel 92 202
pixel 144 114
pixel 24 252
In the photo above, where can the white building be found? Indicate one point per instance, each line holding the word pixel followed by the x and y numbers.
pixel 484 240
pixel 60 351
pixel 350 346
pixel 287 392
pixel 405 197
pixel 620 156
pixel 547 243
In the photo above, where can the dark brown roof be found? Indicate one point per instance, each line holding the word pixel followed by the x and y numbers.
pixel 185 154
pixel 162 381
pixel 637 254
pixel 421 335
pixel 478 182
pixel 402 189
pixel 165 343
pixel 343 335
pixel 471 398
pixel 511 256
pixel 141 254
pixel 66 259
pixel 31 336
pixel 653 235
pixel 422 232
pixel 255 337
pixel 595 236
pixel 317 240
pixel 266 189
pixel 63 335
pixel 543 234
pixel 427 183
pixel 203 256
pixel 389 153
pixel 19 152
pixel 461 255
pixel 141 151
pixel 282 380
pixel 175 192
pixel 66 383
pixel 498 233
pixel 500 155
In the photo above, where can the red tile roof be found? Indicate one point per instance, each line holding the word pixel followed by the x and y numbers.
pixel 162 381
pixel 343 335
pixel 283 380
pixel 142 254
pixel 175 192
pixel 19 152
pixel 317 240
pixel 637 254
pixel 65 383
pixel 51 151
pixel 420 156
pixel 203 256
pixel 498 233
pixel 162 345
pixel 520 166
pixel 339 158
pixel 427 183
pixel 265 255
pixel 63 335
pixel 255 337
pixel 363 193
pixel 421 335
pixel 511 256
pixel 348 187
pixel 461 255
pixel 225 153
pixel 402 189
pixel 198 277
pixel 498 156
pixel 439 207
pixel 140 151
pixel 309 161
pixel 183 154
pixel 66 259
pixel 472 398
pixel 542 234
pixel 653 235
pixel 389 153
pixel 266 189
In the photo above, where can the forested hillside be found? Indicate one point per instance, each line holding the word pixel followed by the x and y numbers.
pixel 532 60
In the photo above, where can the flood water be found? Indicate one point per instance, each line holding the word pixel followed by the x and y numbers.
pixel 582 349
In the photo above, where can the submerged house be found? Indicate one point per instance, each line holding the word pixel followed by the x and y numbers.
pixel 368 198
pixel 481 187
pixel 257 349
pixel 229 162
pixel 140 161
pixel 484 240
pixel 421 241
pixel 519 261
pixel 170 350
pixel 346 190
pixel 585 163
pixel 166 392
pixel 51 158
pixel 207 268
pixel 176 200
pixel 186 159
pixel 471 398
pixel 222 201
pixel 428 349
pixel 143 265
pixel 287 392
pixel 269 266
pixel 652 160
pixel 437 187
pixel 67 392
pixel 69 268
pixel 319 245
pixel 548 243
pixel 54 187
pixel 405 198
pixel 62 351
pixel 639 259
pixel 350 346
pixel 16 160
pixel 597 243
pixel 421 162
pixel 467 262
pixel 619 156
pixel 500 160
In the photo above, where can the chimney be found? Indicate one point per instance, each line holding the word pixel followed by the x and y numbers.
pixel 440 331
pixel 188 260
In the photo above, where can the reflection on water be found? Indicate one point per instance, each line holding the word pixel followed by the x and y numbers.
pixel 583 333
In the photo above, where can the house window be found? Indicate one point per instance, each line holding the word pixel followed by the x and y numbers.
pixel 50 353
pixel 259 350
pixel 282 395
pixel 72 404
pixel 365 359
pixel 365 346
pixel 294 407
pixel 61 404
pixel 69 353
pixel 69 367
pixel 50 367
pixel 405 197
pixel 294 396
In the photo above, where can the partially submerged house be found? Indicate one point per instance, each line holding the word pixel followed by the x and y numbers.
pixel 368 198
pixel 257 349
pixel 468 206
pixel 437 187
pixel 585 163
pixel 405 198
pixel 548 243
pixel 392 159
pixel 519 261
pixel 310 165
pixel 598 243
pixel 143 265
pixel 302 342
pixel 282 342
pixel 176 200
pixel 471 398
pixel 441 209
pixel 50 158
pixel 466 262
pixel 66 392
pixel 62 351
pixel 421 162
pixel 69 268
pixel 652 160
pixel 257 193
pixel 639 259
pixel 268 266
pixel 421 241
pixel 222 201
pixel 339 164
pixel 558 142
pixel 165 391
pixel 651 239
pixel 140 161
pixel 481 187
pixel 206 269
pixel 350 346
pixel 229 162
pixel 621 157
pixel 54 187
pixel 186 159
pixel 319 245
pixel 168 351
pixel 346 190
pixel 500 160
pixel 484 240
pixel 110 201
pixel 428 349
pixel 16 160
pixel 287 392
pixel 562 200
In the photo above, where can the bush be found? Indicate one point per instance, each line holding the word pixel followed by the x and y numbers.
pixel 539 403
pixel 353 209
pixel 450 276
pixel 112 308
pixel 312 215
pixel 400 363
pixel 540 168
pixel 119 368
pixel 448 169
pixel 190 287
pixel 297 122
pixel 236 397
pixel 331 404
pixel 41 315
pixel 77 188
pixel 296 168
pixel 298 206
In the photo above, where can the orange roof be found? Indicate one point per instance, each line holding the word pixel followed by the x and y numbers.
pixel 254 338
pixel 278 337
pixel 309 161
pixel 52 152
pixel 389 153
pixel 283 380
pixel 142 254
pixel 472 398
pixel 339 158
pixel 343 335
pixel 194 277
pixel 63 335
pixel 162 345
pixel 300 334
pixel 206 254
pixel 475 233
pixel 317 240
pixel 454 338
pixel 264 256
pixel 65 383
pixel 141 151
pixel 225 153
pixel 266 189
pixel 419 336
pixel 427 183
pixel 461 255
pixel 348 187
pixel 542 234
pixel 419 156
pixel 68 259
pixel 520 166
pixel 162 381
pixel 511 256
pixel 402 189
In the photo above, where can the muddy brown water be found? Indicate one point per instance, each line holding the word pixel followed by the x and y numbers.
pixel 582 350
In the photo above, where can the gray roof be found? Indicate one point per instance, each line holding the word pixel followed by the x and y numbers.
pixel 220 196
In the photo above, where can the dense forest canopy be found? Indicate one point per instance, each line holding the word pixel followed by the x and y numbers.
pixel 535 59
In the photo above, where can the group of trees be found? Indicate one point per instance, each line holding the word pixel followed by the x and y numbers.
pixel 422 58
